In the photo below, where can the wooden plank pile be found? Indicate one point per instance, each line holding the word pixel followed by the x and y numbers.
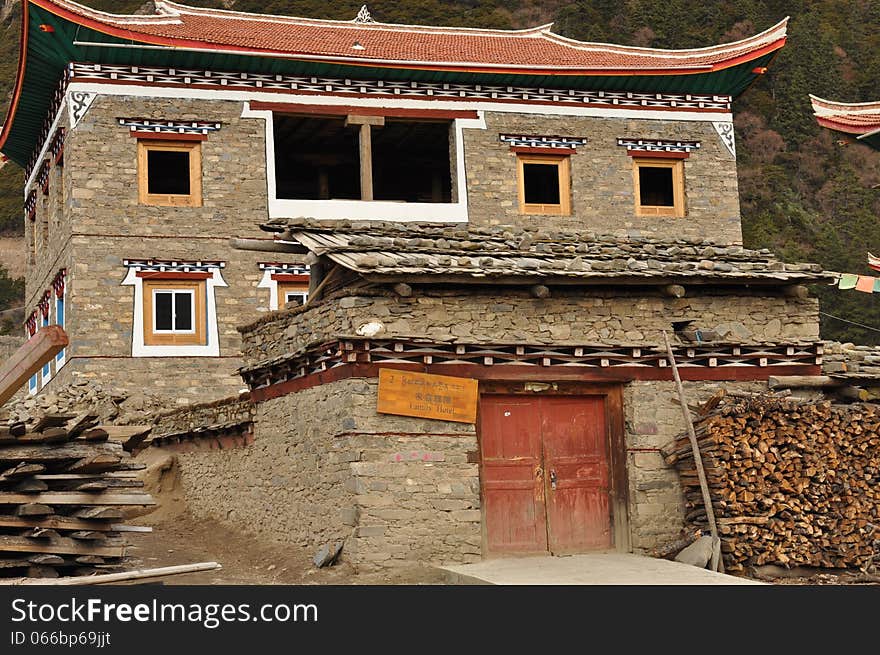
pixel 64 485
pixel 793 483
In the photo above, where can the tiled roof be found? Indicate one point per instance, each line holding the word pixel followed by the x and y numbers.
pixel 494 253
pixel 859 118
pixel 536 48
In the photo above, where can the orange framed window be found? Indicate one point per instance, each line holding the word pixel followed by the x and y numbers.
pixel 659 187
pixel 544 184
pixel 296 293
pixel 174 312
pixel 170 173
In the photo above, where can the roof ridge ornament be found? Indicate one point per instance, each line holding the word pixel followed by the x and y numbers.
pixel 364 16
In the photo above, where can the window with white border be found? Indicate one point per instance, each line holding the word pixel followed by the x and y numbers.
pixel 454 212
pixel 59 289
pixel 30 330
pixel 284 280
pixel 175 311
pixel 45 312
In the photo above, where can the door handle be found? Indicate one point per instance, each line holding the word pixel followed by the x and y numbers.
pixel 553 479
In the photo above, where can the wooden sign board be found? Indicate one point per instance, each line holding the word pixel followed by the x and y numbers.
pixel 427 396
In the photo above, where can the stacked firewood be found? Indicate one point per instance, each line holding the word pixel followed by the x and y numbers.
pixel 793 483
pixel 64 485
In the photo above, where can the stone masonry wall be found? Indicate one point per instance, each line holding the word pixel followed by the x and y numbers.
pixel 235 409
pixel 105 224
pixel 102 162
pixel 603 196
pixel 508 315
pixel 325 467
pixel 653 418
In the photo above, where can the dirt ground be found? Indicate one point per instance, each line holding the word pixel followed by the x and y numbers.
pixel 245 561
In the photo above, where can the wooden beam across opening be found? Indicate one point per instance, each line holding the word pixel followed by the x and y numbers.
pixel 24 363
pixel 366 123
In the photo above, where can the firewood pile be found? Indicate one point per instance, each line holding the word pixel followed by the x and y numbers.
pixel 793 483
pixel 65 482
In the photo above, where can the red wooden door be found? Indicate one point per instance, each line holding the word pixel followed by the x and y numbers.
pixel 545 473
pixel 576 473
pixel 512 478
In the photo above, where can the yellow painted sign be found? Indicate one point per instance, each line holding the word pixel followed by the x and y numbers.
pixel 427 396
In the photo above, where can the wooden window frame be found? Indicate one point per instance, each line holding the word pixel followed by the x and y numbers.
pixel 194 149
pixel 563 163
pixel 677 210
pixel 195 338
pixel 292 287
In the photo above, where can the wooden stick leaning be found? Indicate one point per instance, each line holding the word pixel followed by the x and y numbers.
pixel 716 563
pixel 109 578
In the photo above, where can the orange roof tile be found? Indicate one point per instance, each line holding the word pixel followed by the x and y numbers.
pixel 442 47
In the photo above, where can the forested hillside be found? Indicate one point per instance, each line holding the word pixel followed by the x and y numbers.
pixel 805 193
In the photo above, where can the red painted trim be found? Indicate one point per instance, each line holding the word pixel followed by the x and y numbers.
pixel 847 128
pixel 19 77
pixel 173 275
pixel 290 277
pixel 345 110
pixel 536 374
pixel 232 85
pixel 653 154
pixel 163 136
pixel 558 152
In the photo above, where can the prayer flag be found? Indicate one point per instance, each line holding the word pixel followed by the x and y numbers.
pixel 848 281
pixel 865 284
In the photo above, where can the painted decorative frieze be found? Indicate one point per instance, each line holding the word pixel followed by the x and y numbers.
pixel 549 142
pixel 658 145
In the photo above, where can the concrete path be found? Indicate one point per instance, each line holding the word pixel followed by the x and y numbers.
pixel 590 569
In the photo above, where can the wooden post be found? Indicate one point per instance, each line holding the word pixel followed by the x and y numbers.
pixel 717 564
pixel 24 363
pixel 366 149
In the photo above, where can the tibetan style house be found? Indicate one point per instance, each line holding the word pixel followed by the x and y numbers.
pixel 514 210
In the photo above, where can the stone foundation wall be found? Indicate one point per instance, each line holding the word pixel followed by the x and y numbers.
pixel 180 380
pixel 602 187
pixel 653 418
pixel 514 316
pixel 324 467
pixel 235 409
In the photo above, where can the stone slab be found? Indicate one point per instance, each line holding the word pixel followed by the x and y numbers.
pixel 589 569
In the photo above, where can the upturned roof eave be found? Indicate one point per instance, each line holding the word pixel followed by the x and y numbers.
pixel 87 41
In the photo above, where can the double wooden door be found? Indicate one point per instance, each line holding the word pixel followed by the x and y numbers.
pixel 545 473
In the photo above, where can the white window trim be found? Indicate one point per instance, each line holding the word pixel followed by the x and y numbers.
pixel 192 311
pixel 61 357
pixel 377 210
pixel 33 383
pixel 210 349
pixel 46 369
pixel 301 294
pixel 266 282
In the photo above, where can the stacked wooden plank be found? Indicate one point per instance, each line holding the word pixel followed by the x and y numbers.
pixel 64 485
pixel 792 482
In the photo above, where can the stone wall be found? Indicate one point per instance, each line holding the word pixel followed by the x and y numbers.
pixel 235 409
pixel 179 380
pixel 603 197
pixel 653 418
pixel 96 221
pixel 514 316
pixel 324 467
pixel 101 159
